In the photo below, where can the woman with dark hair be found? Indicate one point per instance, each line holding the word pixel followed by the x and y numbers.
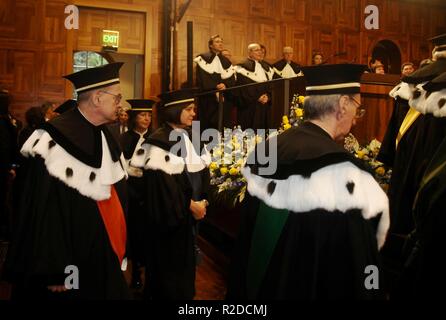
pixel 34 118
pixel 140 119
pixel 317 58
pixel 176 179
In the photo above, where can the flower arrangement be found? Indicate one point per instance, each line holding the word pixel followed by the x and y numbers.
pixel 228 158
pixel 368 154
pixel 296 115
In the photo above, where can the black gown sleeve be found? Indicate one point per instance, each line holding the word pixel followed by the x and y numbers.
pixel 41 246
pixel 168 197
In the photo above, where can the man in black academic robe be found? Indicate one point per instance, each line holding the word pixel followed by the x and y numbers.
pixel 388 146
pixel 423 269
pixel 416 142
pixel 254 103
pixel 312 228
pixel 71 220
pixel 214 72
pixel 423 276
pixel 286 68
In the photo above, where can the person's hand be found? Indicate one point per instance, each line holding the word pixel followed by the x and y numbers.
pixel 57 289
pixel 221 86
pixel 198 209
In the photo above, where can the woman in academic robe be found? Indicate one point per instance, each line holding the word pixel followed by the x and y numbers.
pixel 176 178
pixel 140 119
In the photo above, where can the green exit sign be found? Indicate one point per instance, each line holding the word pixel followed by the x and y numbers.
pixel 110 39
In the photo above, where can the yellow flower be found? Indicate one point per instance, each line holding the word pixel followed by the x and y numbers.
pixel 217 152
pixel 223 171
pixel 233 171
pixel 287 126
pixel 213 166
pixel 360 154
pixel 285 120
pixel 301 99
pixel 237 146
pixel 380 170
pixel 299 112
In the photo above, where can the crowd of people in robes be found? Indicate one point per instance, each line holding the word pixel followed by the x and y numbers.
pixel 114 197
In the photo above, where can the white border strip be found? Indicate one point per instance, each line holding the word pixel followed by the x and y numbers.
pixel 335 86
pixel 97 84
pixel 179 101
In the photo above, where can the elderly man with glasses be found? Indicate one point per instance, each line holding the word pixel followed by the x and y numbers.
pixel 71 234
pixel 313 228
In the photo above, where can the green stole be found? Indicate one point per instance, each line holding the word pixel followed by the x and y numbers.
pixel 267 230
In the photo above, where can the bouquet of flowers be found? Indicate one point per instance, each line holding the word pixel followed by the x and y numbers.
pixel 228 158
pixel 368 154
pixel 296 115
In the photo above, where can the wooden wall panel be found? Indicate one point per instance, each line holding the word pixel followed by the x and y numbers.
pixel 6 69
pixel 131 27
pixel 51 82
pixel 348 14
pixel 321 12
pixel 231 9
pixel 234 35
pixel 347 42
pixel 268 34
pixel 292 11
pixel 323 39
pixel 18 19
pixel 131 30
pixel 203 8
pixel 393 23
pixel 54 23
pixel 262 8
pixel 295 37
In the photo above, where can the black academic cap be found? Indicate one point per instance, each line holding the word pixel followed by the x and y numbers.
pixel 333 78
pixel 438 83
pixel 439 40
pixel 95 78
pixel 183 96
pixel 66 106
pixel 141 105
pixel 427 73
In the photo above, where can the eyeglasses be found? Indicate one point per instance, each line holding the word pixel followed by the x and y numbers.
pixel 360 112
pixel 118 97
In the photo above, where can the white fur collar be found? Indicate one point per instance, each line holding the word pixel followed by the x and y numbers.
pixel 155 158
pixel 418 98
pixel 215 67
pixel 402 90
pixel 287 72
pixel 94 183
pixel 436 103
pixel 336 187
pixel 259 74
